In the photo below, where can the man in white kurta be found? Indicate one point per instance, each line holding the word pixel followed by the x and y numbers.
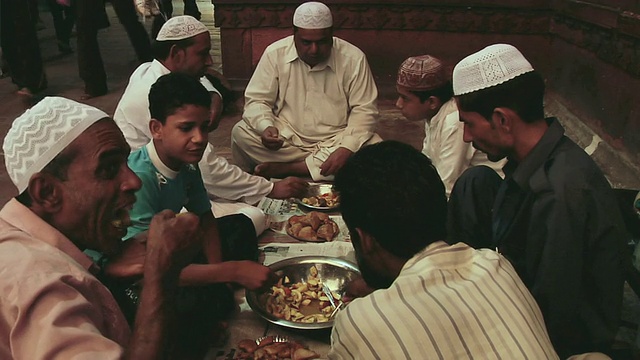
pixel 317 93
pixel 231 189
pixel 425 94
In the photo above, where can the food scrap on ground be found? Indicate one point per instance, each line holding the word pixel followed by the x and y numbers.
pixel 272 348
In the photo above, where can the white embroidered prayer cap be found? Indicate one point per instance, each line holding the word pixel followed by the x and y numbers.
pixel 41 133
pixel 181 27
pixel 312 15
pixel 489 67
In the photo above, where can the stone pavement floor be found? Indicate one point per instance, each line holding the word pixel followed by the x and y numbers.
pixel 120 61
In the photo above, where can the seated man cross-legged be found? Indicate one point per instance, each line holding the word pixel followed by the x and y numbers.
pixel 436 301
pixel 310 103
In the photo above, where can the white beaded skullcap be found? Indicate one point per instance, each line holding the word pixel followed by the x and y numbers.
pixel 489 67
pixel 41 133
pixel 312 15
pixel 181 27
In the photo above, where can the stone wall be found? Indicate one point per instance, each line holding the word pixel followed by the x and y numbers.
pixel 589 51
pixel 596 66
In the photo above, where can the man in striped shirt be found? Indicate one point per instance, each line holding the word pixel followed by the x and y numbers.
pixel 435 300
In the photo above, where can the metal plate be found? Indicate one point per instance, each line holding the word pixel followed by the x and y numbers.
pixel 287 226
pixel 316 190
pixel 335 273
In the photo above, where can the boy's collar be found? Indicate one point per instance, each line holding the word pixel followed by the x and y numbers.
pixel 160 166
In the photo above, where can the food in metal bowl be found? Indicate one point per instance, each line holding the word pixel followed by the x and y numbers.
pixel 328 200
pixel 333 272
pixel 303 301
pixel 320 197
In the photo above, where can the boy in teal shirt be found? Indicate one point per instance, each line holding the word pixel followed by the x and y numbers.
pixel 171 179
pixel 167 166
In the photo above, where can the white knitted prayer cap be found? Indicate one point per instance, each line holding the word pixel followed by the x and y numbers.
pixel 41 133
pixel 312 15
pixel 489 67
pixel 181 27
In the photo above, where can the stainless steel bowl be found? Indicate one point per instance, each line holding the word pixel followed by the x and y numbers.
pixel 333 272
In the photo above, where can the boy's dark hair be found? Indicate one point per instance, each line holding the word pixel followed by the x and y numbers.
pixel 444 93
pixel 173 91
pixel 160 49
pixel 393 192
pixel 524 94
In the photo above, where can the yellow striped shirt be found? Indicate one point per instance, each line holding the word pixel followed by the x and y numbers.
pixel 449 302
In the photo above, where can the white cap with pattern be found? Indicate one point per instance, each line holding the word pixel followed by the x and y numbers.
pixel 181 27
pixel 489 67
pixel 41 133
pixel 312 15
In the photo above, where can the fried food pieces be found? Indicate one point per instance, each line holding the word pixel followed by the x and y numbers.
pixel 269 348
pixel 314 226
pixel 328 200
pixel 303 302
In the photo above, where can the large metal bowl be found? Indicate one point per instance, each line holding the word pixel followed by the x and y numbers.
pixel 333 272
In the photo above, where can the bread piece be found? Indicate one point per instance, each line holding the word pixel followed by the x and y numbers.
pixel 304 354
pixel 307 233
pixel 295 219
pixel 326 231
pixel 295 229
pixel 314 220
pixel 322 216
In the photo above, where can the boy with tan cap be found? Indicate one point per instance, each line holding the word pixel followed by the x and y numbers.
pixel 425 93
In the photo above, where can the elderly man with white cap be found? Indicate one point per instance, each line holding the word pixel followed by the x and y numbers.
pixel 425 94
pixel 183 45
pixel 69 163
pixel 310 104
pixel 554 216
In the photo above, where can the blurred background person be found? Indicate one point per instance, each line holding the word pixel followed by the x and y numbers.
pixel 20 47
pixel 64 18
pixel 91 17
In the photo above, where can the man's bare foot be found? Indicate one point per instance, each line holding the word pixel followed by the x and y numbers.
pixel 281 170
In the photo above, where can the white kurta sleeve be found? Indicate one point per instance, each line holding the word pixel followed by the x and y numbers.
pixel 132 117
pixel 227 181
pixel 362 98
pixel 455 155
pixel 260 94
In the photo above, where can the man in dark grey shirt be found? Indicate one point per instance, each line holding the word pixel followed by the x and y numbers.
pixel 554 216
